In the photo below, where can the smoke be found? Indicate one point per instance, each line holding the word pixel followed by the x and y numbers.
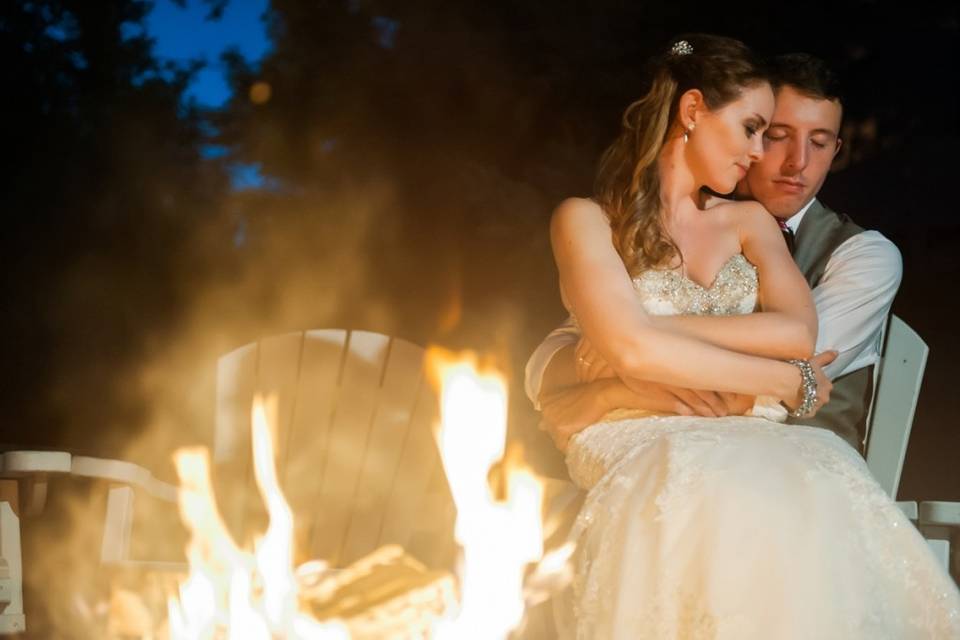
pixel 441 238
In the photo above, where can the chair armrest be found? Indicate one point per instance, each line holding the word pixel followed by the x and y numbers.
pixel 909 508
pixel 14 463
pixel 940 513
pixel 123 472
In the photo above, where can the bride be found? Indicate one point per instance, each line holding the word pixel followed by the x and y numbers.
pixel 736 527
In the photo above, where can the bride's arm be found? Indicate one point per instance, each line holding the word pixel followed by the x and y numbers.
pixel 598 288
pixel 787 325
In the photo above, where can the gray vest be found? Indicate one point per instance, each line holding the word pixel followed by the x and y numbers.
pixel 821 231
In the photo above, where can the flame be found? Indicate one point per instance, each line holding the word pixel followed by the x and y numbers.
pixel 499 537
pixel 231 593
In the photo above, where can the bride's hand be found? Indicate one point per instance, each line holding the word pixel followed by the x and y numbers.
pixel 590 364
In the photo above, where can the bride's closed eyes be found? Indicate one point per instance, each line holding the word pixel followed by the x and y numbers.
pixel 753 126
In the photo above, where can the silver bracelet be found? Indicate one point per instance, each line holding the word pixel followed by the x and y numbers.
pixel 808 383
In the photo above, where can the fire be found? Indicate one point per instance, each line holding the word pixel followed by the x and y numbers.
pixel 499 537
pixel 232 593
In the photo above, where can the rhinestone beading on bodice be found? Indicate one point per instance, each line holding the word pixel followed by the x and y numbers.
pixel 733 292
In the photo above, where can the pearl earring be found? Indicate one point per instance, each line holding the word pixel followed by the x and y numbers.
pixel 686 134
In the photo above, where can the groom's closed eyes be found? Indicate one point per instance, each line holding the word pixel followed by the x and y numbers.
pixel 819 138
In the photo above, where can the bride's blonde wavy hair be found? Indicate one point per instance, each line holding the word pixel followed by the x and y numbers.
pixel 627 186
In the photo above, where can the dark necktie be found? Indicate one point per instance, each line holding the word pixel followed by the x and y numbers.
pixel 788 236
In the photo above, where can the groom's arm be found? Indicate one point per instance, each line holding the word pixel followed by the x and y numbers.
pixel 551 370
pixel 550 367
pixel 853 299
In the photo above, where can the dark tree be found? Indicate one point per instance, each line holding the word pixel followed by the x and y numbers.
pixel 103 190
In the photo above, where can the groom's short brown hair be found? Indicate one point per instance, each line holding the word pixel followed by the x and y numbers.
pixel 807 74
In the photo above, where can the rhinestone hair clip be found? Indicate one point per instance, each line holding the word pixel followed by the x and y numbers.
pixel 681 48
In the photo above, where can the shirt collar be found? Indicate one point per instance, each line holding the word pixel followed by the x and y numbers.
pixel 793 222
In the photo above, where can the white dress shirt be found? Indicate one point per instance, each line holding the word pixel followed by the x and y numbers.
pixel 852 298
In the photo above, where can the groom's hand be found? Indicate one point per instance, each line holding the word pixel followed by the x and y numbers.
pixel 709 404
pixel 824 385
pixel 567 412
pixel 737 403
pixel 714 404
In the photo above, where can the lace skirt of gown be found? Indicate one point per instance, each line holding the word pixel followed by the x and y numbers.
pixel 741 528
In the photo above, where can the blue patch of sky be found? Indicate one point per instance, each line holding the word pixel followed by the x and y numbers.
pixel 213 151
pixel 57 32
pixel 182 34
pixel 130 30
pixel 246 176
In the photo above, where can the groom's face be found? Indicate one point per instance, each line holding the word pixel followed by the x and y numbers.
pixel 799 146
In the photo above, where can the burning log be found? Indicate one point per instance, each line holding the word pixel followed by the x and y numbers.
pixel 386 594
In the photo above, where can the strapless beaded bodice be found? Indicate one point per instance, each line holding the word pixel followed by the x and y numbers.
pixel 733 292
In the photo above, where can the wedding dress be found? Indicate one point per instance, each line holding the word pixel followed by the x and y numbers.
pixel 740 528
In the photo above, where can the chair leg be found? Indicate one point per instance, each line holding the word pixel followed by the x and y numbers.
pixel 12 619
pixel 10 492
pixel 117 526
pixel 34 495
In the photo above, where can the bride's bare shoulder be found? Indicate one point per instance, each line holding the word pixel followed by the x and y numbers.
pixel 575 215
pixel 744 214
pixel 736 207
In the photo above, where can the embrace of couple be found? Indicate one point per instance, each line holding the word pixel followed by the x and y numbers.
pixel 710 389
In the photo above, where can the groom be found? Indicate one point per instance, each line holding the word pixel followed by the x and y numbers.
pixel 854 274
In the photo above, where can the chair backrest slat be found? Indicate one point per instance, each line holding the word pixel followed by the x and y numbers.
pixel 402 378
pixel 236 385
pixel 236 382
pixel 895 402
pixel 419 513
pixel 346 445
pixel 307 438
pixel 278 375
